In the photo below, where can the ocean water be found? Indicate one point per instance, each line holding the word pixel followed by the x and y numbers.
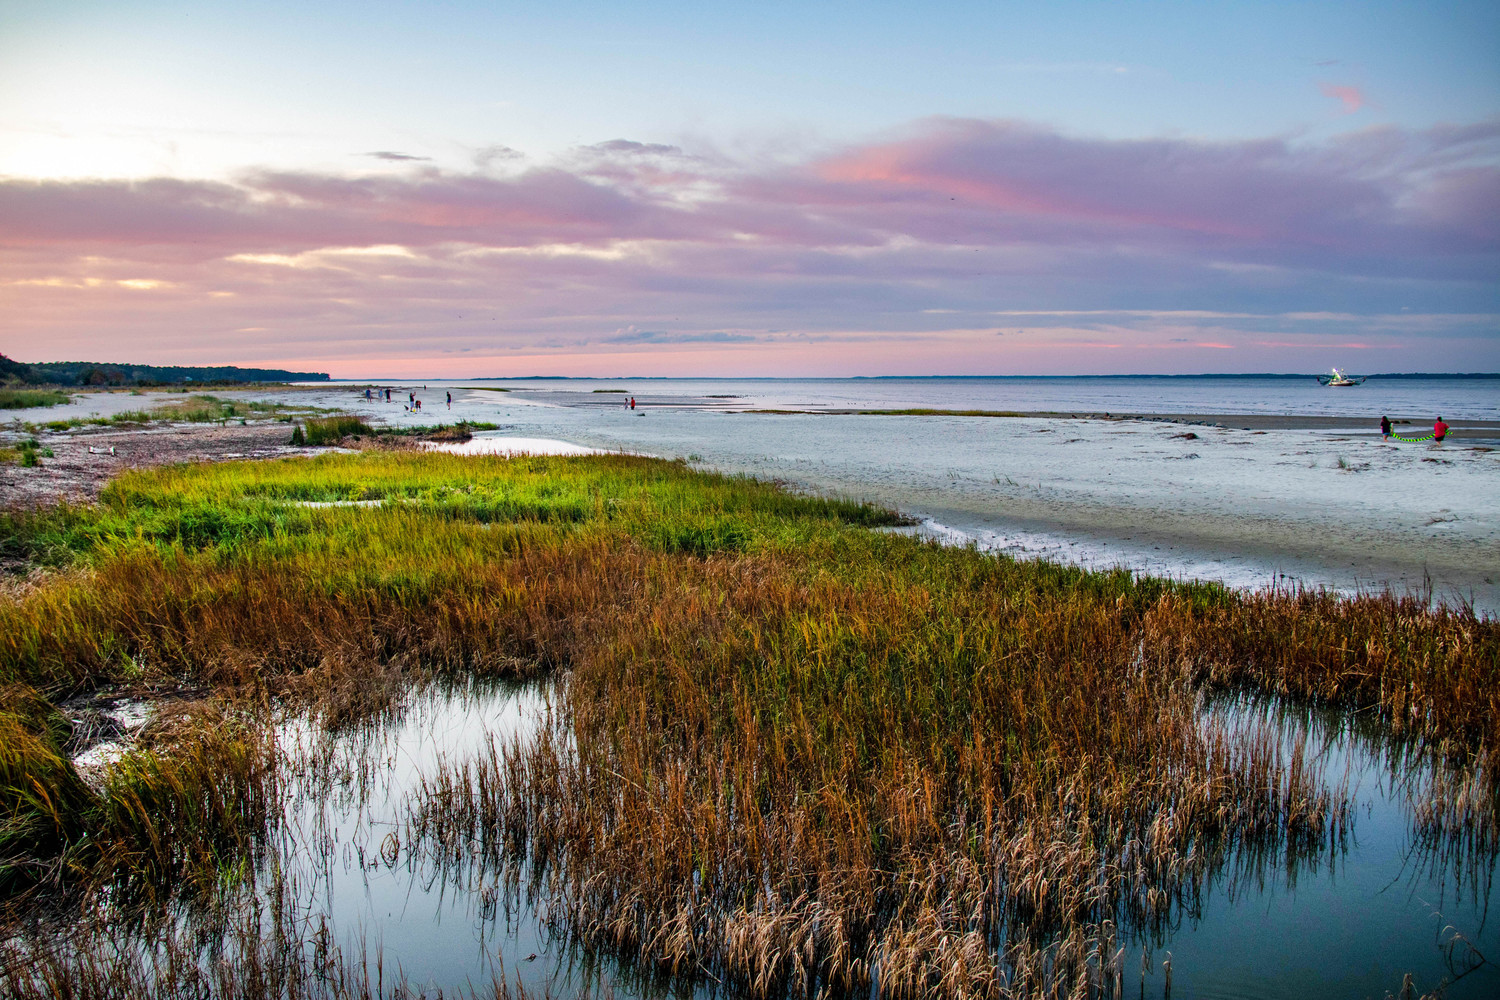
pixel 1412 398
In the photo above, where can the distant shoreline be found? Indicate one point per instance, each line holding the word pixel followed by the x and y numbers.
pixel 1240 421
pixel 1447 376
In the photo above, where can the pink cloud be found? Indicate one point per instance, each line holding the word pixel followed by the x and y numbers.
pixel 1352 98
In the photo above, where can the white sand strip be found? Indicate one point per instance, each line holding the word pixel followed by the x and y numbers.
pixel 484 445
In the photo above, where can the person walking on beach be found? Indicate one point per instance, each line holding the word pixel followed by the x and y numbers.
pixel 1385 428
pixel 632 402
pixel 1439 430
pixel 388 395
pixel 450 400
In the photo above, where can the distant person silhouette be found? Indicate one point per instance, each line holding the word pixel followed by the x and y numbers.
pixel 1385 428
pixel 1439 430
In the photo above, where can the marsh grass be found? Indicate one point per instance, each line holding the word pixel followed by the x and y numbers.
pixel 27 453
pixel 190 798
pixel 206 408
pixel 332 430
pixel 461 431
pixel 794 786
pixel 408 437
pixel 42 799
pixel 189 801
pixel 789 755
pixel 23 399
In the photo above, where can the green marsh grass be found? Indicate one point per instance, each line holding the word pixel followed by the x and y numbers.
pixel 790 753
pixel 24 399
pixel 190 798
pixel 26 453
pixel 42 799
pixel 206 408
pixel 461 431
pixel 332 430
pixel 191 795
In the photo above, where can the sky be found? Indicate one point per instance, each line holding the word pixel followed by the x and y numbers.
pixel 389 190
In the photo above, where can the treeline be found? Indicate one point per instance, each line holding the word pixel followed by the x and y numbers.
pixel 85 373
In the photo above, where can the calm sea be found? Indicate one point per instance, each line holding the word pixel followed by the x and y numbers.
pixel 1473 398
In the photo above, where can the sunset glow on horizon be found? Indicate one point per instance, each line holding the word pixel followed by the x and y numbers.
pixel 394 191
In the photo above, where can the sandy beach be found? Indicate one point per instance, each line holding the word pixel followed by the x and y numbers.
pixel 1250 508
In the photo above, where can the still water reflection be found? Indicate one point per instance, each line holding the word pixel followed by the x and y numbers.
pixel 351 877
pixel 1404 893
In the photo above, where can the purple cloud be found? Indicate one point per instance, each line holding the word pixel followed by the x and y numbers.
pixel 934 228
pixel 631 148
pixel 977 183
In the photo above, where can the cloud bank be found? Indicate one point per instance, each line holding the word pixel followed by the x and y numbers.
pixel 1176 252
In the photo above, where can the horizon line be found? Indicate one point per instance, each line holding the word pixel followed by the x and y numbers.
pixel 851 378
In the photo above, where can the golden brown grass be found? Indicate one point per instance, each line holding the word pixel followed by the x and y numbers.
pixel 789 755
pixel 791 782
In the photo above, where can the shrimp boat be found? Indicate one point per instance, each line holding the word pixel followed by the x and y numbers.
pixel 1338 379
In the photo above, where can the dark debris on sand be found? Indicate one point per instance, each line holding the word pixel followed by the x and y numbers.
pixel 82 461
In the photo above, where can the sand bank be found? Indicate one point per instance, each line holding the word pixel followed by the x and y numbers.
pixel 487 444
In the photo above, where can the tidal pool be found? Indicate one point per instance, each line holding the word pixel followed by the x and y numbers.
pixel 1398 898
pixel 1349 921
pixel 345 868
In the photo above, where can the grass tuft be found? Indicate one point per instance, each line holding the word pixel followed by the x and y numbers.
pixel 25 399
pixel 332 430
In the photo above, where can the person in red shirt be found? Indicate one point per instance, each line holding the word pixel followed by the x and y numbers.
pixel 1439 431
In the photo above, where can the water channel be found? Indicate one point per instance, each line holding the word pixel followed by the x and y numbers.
pixel 1349 922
